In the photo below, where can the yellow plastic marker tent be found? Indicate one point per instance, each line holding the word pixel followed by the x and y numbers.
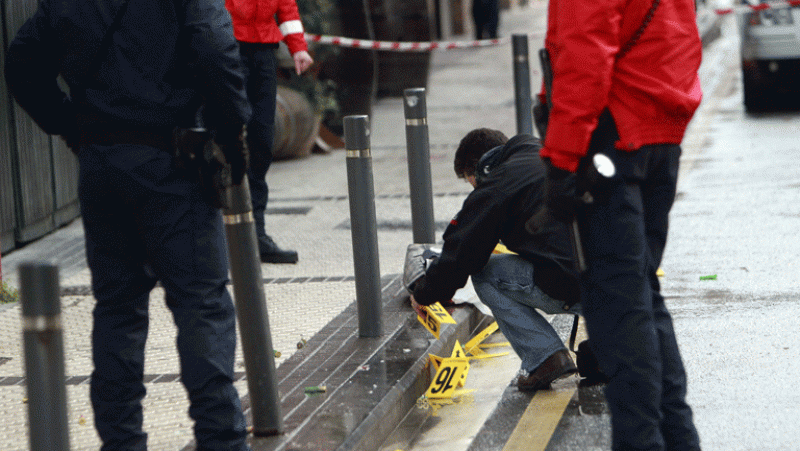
pixel 458 353
pixel 477 349
pixel 501 249
pixel 449 374
pixel 435 316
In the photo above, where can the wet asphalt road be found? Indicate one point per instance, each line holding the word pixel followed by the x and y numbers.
pixel 737 217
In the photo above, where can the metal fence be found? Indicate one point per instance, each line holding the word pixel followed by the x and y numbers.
pixel 38 173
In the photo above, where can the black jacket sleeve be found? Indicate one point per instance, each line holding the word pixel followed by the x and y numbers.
pixel 31 71
pixel 496 211
pixel 468 243
pixel 216 61
pixel 163 57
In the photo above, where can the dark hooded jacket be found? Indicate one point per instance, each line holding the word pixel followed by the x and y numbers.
pixel 162 61
pixel 494 212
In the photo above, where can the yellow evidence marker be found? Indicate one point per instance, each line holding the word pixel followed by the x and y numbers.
pixel 475 348
pixel 449 372
pixel 458 353
pixel 435 316
pixel 502 249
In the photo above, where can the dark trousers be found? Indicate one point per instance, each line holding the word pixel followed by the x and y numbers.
pixel 630 328
pixel 259 67
pixel 486 17
pixel 144 223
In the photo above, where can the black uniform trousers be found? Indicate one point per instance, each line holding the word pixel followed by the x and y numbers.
pixel 486 18
pixel 144 223
pixel 260 64
pixel 630 328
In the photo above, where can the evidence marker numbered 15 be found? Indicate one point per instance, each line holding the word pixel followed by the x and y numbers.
pixel 435 316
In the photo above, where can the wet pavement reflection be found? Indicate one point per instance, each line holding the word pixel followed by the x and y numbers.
pixel 586 423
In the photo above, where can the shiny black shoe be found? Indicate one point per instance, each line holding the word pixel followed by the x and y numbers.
pixel 271 253
pixel 588 367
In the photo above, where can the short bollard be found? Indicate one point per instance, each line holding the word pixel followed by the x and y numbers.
pixel 363 226
pixel 419 165
pixel 44 357
pixel 522 84
pixel 251 311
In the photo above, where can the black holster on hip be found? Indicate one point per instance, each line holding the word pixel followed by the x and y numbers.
pixel 197 156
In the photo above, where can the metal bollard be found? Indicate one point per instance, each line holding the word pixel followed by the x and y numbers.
pixel 251 311
pixel 522 83
pixel 419 165
pixel 44 357
pixel 363 226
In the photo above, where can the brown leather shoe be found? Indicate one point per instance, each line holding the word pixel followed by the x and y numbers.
pixel 556 366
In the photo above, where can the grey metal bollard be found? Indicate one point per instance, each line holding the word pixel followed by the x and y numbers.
pixel 419 165
pixel 363 226
pixel 44 357
pixel 522 83
pixel 251 311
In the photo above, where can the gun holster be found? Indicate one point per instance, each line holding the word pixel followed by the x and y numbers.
pixel 541 114
pixel 200 158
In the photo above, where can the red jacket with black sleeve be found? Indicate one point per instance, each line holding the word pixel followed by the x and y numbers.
pixel 255 21
pixel 652 91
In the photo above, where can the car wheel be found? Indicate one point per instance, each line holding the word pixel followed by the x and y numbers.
pixel 756 94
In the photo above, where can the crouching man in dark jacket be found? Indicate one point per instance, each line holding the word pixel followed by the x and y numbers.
pixel 508 190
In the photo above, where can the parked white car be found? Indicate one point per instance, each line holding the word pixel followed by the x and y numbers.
pixel 770 52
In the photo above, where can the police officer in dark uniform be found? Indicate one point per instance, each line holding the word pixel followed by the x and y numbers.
pixel 136 69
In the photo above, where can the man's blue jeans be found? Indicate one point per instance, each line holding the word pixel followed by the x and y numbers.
pixel 506 286
pixel 144 223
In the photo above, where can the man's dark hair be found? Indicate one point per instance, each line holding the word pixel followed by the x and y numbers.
pixel 473 146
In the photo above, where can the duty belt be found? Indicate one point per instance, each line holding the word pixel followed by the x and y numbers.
pixel 158 138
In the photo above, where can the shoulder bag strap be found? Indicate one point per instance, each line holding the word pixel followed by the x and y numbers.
pixel 647 18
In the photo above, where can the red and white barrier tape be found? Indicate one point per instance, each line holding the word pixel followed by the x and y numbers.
pixel 403 46
pixel 450 45
pixel 758 7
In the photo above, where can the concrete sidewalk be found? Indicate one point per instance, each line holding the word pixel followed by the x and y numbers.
pixel 371 382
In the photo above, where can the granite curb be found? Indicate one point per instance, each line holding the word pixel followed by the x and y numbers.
pixel 371 384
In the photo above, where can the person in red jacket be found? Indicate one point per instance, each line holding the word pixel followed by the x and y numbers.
pixel 624 83
pixel 259 26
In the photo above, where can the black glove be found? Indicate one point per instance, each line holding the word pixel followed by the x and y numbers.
pixel 560 196
pixel 237 155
